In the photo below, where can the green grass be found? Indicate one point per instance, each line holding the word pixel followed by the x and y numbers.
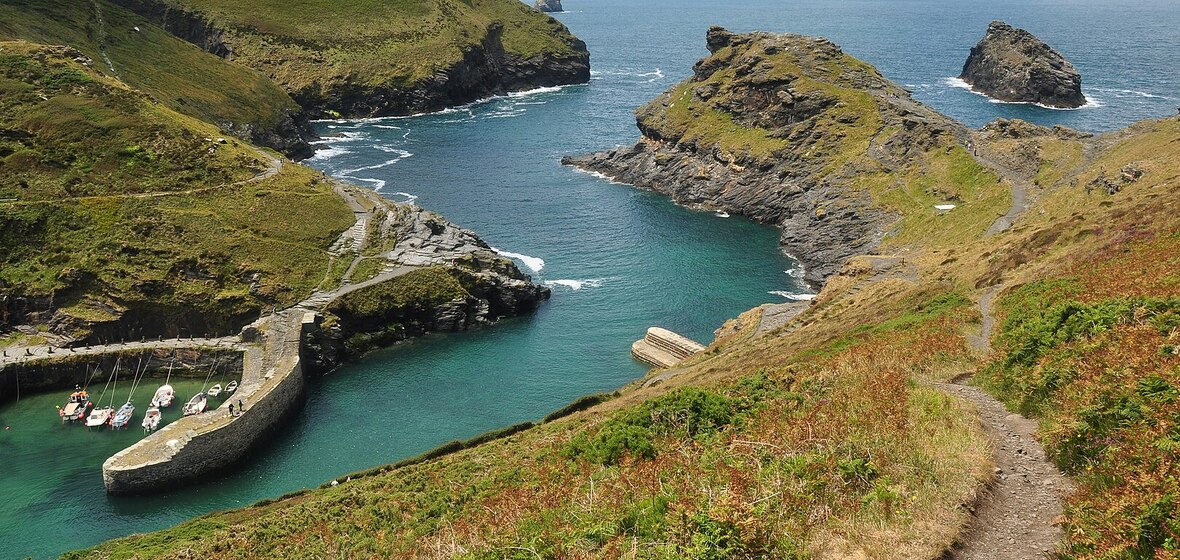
pixel 395 309
pixel 177 74
pixel 79 145
pixel 313 46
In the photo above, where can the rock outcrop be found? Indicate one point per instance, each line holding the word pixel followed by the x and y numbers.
pixel 549 6
pixel 1010 64
pixel 336 77
pixel 781 129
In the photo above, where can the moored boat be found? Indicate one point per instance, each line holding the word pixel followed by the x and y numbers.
pixel 214 390
pixel 196 405
pixel 163 397
pixel 76 407
pixel 233 386
pixel 151 420
pixel 99 417
pixel 123 416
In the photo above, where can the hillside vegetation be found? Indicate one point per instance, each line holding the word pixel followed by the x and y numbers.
pixel 173 72
pixel 825 435
pixel 119 211
pixel 374 57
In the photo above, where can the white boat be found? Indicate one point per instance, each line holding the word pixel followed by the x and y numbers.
pixel 233 386
pixel 151 420
pixel 196 405
pixel 163 397
pixel 99 417
pixel 123 416
pixel 76 406
pixel 214 390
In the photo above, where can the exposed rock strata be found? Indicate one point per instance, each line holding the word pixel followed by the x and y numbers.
pixel 809 121
pixel 549 6
pixel 1011 64
pixel 484 69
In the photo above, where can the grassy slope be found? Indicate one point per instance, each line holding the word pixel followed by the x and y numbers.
pixel 174 72
pixel 75 143
pixel 309 44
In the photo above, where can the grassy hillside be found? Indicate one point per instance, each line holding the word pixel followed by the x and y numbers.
pixel 825 436
pixel 174 72
pixel 384 56
pixel 116 208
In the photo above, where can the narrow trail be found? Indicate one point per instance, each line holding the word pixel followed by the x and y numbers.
pixel 1014 518
pixel 1020 189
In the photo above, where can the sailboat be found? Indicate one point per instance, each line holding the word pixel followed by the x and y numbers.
pixel 126 412
pixel 76 407
pixel 101 415
pixel 151 420
pixel 196 405
pixel 165 394
pixel 123 415
pixel 233 386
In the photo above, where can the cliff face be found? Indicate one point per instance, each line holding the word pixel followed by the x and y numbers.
pixel 781 128
pixel 401 61
pixel 549 5
pixel 1011 64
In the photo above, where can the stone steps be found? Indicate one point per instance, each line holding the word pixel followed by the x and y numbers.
pixel 664 348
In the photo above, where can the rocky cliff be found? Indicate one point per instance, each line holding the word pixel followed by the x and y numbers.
pixel 392 61
pixel 784 129
pixel 1010 64
pixel 549 5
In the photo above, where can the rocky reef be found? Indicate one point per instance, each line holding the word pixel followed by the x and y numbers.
pixel 549 5
pixel 782 129
pixel 1011 64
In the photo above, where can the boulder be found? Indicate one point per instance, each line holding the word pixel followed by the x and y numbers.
pixel 1010 64
pixel 549 5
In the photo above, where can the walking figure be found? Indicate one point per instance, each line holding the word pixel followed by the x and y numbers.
pixel 231 409
pixel 241 407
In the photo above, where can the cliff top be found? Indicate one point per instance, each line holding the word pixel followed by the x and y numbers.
pixel 113 201
pixel 172 71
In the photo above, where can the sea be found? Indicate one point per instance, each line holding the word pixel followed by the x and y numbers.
pixel 618 259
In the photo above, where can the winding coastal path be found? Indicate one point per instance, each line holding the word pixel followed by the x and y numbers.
pixel 1016 517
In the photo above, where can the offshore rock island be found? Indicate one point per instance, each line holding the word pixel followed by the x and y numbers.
pixel 1011 64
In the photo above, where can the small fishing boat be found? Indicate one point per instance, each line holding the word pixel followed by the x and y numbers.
pixel 196 405
pixel 233 386
pixel 99 417
pixel 76 407
pixel 123 416
pixel 214 390
pixel 151 420
pixel 163 397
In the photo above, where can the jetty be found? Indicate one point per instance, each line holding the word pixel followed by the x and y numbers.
pixel 663 348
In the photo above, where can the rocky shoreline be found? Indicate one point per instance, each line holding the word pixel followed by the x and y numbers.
pixel 1012 65
pixel 797 177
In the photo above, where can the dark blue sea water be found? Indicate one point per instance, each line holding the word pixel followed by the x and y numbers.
pixel 618 259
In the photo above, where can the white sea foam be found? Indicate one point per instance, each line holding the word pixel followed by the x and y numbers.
pixel 1131 93
pixel 378 184
pixel 576 284
pixel 526 93
pixel 792 295
pixel 653 75
pixel 796 272
pixel 328 153
pixel 534 264
pixel 1091 101
pixel 602 176
pixel 386 126
pixel 401 154
pixel 409 198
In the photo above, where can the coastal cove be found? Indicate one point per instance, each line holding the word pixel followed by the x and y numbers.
pixel 617 259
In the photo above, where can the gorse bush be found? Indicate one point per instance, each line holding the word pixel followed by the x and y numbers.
pixel 685 413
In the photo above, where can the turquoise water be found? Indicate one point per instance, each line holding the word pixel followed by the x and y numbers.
pixel 636 259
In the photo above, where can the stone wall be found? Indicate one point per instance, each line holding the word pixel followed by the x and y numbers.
pixel 69 370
